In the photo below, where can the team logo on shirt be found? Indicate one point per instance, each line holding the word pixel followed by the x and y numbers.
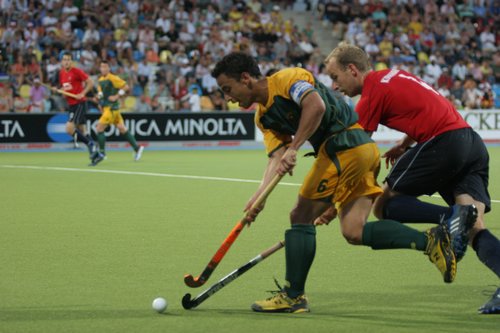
pixel 67 86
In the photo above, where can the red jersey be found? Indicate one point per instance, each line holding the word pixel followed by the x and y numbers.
pixel 72 81
pixel 401 101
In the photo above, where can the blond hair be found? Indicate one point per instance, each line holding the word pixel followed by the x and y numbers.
pixel 345 54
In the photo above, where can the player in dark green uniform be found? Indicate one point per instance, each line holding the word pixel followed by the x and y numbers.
pixel 293 107
pixel 110 89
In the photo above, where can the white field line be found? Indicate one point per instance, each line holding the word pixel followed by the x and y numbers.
pixel 154 174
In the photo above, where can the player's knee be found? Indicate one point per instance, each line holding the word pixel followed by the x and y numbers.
pixel 353 236
pixel 297 217
pixel 70 129
pixel 100 127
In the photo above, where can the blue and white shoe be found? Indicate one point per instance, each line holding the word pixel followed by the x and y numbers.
pixel 493 305
pixel 92 147
pixel 97 158
pixel 459 224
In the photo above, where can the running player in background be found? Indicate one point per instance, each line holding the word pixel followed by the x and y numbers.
pixel 292 108
pixel 76 81
pixel 110 89
pixel 448 156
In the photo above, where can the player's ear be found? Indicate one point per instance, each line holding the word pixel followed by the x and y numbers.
pixel 245 77
pixel 352 69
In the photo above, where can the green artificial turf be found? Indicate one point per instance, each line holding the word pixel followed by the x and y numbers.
pixel 87 249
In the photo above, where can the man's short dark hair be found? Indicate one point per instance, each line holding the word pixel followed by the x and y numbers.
pixel 66 53
pixel 233 64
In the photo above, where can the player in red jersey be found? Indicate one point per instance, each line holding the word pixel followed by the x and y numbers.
pixel 77 82
pixel 439 153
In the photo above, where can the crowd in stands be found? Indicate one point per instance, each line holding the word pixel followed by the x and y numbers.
pixel 165 50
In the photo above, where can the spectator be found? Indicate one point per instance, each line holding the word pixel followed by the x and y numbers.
pixel 445 80
pixel 37 97
pixel 163 22
pixel 178 91
pixel 471 97
pixel 488 100
pixel 146 39
pixel 459 70
pixel 193 99
pixel 144 72
pixel 432 71
pixel 33 69
pixel 18 71
pixel 6 100
pixel 487 39
pixel 324 77
pixel 386 47
pixel 124 49
pixel 31 35
pixel 91 35
pixel 88 58
pixel 21 104
pixel 396 59
pixel 49 21
pixel 218 101
pixel 70 11
pixel 143 105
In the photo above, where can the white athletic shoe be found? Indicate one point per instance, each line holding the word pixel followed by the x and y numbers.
pixel 138 153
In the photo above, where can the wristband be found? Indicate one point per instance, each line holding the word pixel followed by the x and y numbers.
pixel 99 94
pixel 121 92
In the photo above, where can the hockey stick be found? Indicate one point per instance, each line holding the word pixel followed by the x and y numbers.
pixel 195 282
pixel 188 303
pixel 60 91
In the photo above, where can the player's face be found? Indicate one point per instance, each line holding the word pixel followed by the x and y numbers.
pixel 344 79
pixel 235 91
pixel 66 62
pixel 104 69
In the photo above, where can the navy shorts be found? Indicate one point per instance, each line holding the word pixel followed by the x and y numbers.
pixel 78 113
pixel 452 163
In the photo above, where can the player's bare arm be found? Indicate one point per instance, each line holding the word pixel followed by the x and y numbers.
pixel 119 94
pixel 269 172
pixel 313 109
pixel 89 84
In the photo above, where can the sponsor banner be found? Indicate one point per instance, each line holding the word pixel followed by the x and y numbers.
pixel 485 122
pixel 157 145
pixel 39 128
pixel 192 129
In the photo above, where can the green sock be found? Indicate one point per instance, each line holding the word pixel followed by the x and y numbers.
pixel 130 138
pixel 389 234
pixel 101 138
pixel 300 248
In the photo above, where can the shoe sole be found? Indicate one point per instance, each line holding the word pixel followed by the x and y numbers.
pixel 495 310
pixel 451 267
pixel 286 310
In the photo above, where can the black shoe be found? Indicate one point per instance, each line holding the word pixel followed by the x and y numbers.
pixel 493 305
pixel 458 226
